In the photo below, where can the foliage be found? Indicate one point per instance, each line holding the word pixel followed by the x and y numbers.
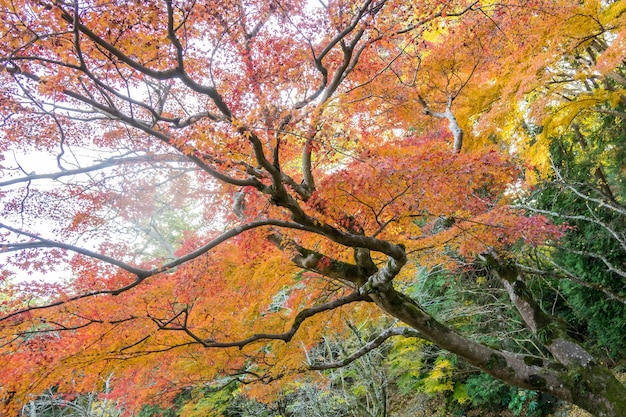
pixel 484 391
pixel 588 192
pixel 53 404
pixel 488 393
pixel 226 184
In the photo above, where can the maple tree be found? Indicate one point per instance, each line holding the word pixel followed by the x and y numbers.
pixel 309 145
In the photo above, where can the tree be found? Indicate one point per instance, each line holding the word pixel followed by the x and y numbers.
pixel 587 191
pixel 296 133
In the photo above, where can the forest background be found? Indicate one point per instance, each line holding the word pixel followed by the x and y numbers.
pixel 284 208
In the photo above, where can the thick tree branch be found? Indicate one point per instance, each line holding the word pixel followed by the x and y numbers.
pixel 550 332
pixel 506 366
pixel 318 262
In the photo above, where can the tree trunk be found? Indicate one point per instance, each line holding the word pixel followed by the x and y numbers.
pixel 590 386
pixel 572 375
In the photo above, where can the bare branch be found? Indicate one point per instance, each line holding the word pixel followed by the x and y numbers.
pixel 621 239
pixel 107 163
pixel 572 277
pixel 610 266
pixel 368 347
pixel 601 203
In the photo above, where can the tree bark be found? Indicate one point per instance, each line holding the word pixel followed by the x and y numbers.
pixel 590 386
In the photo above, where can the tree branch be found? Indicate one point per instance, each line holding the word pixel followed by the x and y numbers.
pixel 552 333
pixel 107 163
pixel 368 347
pixel 141 274
pixel 453 125
pixel 285 336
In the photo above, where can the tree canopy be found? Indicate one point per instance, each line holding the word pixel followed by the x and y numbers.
pixel 199 192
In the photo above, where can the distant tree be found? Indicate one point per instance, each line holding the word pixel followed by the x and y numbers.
pixel 588 192
pixel 53 404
